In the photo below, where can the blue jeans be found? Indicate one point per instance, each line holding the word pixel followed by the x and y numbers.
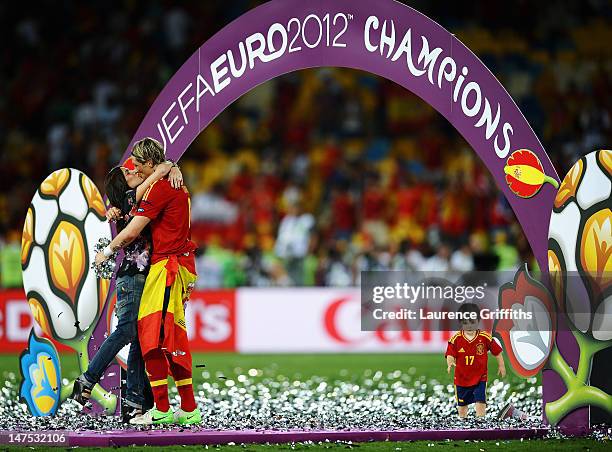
pixel 129 291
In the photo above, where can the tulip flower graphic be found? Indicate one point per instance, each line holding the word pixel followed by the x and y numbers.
pixel 585 297
pixel 40 372
pixel 580 270
pixel 528 342
pixel 64 221
pixel 596 261
pixel 530 345
pixel 584 294
pixel 525 174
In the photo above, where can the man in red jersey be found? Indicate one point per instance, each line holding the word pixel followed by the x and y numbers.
pixel 162 330
pixel 468 351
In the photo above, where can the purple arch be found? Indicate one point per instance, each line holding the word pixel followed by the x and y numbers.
pixel 177 122
pixel 184 120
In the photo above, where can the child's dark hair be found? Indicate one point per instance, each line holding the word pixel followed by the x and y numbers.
pixel 470 307
pixel 115 186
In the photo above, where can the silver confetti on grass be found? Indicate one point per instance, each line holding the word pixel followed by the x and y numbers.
pixel 269 399
pixel 602 432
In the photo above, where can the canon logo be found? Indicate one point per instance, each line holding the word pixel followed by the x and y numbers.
pixel 342 322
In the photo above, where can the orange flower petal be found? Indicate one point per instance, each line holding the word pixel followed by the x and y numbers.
pixel 67 259
pixel 103 286
pixel 40 316
pixel 605 158
pixel 556 276
pixel 596 249
pixel 93 196
pixel 570 183
pixel 27 238
pixel 54 184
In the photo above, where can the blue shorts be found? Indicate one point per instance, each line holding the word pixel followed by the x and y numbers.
pixel 466 395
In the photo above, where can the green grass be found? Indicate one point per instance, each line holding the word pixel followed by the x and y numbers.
pixel 331 366
pixel 574 445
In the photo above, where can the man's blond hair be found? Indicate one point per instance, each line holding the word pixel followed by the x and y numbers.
pixel 149 149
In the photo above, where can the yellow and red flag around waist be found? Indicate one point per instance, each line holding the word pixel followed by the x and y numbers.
pixel 178 273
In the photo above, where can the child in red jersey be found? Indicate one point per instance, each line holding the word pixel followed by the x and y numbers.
pixel 468 351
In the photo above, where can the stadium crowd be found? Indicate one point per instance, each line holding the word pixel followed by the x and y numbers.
pixel 313 176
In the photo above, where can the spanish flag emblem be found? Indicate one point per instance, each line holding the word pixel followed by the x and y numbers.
pixel 525 175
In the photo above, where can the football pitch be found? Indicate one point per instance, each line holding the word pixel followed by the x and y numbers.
pixel 351 368
pixel 573 445
pixel 295 366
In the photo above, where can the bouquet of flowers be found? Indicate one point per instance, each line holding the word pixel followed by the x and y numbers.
pixel 106 269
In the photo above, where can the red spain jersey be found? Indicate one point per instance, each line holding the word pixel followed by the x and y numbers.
pixel 170 212
pixel 471 356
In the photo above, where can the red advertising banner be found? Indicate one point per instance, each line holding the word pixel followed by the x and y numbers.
pixel 211 321
pixel 16 321
pixel 210 315
pixel 248 320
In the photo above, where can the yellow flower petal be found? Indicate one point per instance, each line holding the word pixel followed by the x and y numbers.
pixel 50 371
pixel 596 249
pixel 55 182
pixel 44 378
pixel 67 259
pixel 27 237
pixel 605 158
pixel 554 268
pixel 44 403
pixel 40 316
pixel 103 287
pixel 93 196
pixel 569 185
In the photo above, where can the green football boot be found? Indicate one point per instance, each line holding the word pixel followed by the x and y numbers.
pixel 153 417
pixel 187 418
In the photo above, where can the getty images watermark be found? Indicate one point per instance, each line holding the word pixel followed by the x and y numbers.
pixel 421 299
pixel 431 301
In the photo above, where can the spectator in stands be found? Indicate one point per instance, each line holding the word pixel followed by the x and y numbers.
pixel 439 262
pixel 506 253
pixel 212 206
pixel 293 240
pixel 374 211
pixel 462 259
pixel 368 159
pixel 343 213
pixel 337 274
pixel 10 261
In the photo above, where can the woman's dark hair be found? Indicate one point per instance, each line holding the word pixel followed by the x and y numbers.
pixel 115 186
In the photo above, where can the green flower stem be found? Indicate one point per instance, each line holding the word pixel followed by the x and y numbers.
pixel 107 400
pixel 578 392
pixel 551 181
pixel 574 398
pixel 565 372
pixel 588 347
pixel 66 391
